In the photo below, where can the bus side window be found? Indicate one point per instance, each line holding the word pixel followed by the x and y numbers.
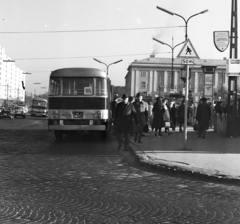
pixel 55 86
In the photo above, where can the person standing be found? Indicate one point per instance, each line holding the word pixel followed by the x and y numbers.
pixel 173 115
pixel 141 108
pixel 166 115
pixel 203 117
pixel 158 122
pixel 180 112
pixel 123 121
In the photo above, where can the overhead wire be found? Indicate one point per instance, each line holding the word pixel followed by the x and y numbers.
pixel 81 31
pixel 100 56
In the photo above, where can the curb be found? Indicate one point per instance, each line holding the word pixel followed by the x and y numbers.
pixel 180 168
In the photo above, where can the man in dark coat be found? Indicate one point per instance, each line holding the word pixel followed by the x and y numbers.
pixel 113 106
pixel 141 108
pixel 123 120
pixel 203 117
pixel 180 114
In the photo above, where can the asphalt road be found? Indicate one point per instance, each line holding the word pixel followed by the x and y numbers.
pixel 84 179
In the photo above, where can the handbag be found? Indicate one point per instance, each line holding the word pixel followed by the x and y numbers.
pixel 146 128
pixel 195 126
pixel 167 124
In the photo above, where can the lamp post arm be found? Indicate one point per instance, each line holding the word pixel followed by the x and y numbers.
pixel 179 44
pixel 196 15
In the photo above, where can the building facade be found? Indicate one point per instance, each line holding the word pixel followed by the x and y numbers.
pixel 154 76
pixel 11 78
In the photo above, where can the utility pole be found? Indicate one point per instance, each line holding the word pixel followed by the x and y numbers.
pixel 232 80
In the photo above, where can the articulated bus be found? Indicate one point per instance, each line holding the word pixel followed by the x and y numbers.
pixel 79 100
pixel 39 107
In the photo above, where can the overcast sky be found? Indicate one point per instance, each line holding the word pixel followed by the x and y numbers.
pixel 109 30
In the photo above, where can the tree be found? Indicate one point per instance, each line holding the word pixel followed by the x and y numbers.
pixel 120 90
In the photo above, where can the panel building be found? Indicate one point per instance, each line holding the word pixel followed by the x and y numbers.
pixel 11 78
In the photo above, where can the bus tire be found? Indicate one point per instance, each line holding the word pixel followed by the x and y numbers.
pixel 104 134
pixel 58 135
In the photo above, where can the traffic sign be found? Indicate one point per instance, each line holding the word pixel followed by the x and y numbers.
pixel 221 40
pixel 188 51
pixel 233 66
pixel 187 61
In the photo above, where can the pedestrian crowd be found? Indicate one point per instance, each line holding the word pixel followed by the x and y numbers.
pixel 133 116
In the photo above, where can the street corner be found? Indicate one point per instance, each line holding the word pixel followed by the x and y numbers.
pixel 181 167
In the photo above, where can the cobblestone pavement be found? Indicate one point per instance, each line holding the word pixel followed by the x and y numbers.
pixel 86 180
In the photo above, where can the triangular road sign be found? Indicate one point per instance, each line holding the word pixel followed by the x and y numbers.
pixel 188 51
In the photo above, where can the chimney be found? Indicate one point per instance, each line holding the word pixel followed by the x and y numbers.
pixel 152 56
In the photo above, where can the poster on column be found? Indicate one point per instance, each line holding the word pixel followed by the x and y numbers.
pixel 208 90
pixel 208 79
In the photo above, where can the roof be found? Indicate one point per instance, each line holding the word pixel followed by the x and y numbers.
pixel 156 62
pixel 78 72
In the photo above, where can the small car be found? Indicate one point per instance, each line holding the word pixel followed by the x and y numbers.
pixel 20 112
pixel 7 113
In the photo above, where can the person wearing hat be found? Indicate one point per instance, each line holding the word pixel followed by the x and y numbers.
pixel 203 117
pixel 113 105
pixel 141 108
pixel 124 114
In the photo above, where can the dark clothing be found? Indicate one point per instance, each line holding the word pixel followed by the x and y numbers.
pixel 158 121
pixel 142 111
pixel 180 113
pixel 123 117
pixel 203 117
pixel 113 105
pixel 173 115
pixel 142 115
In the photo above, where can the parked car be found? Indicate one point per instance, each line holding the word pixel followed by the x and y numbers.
pixel 20 111
pixel 7 113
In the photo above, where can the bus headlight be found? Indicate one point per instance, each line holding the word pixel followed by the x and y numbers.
pixel 97 115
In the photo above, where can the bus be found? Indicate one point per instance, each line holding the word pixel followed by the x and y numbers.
pixel 39 107
pixel 79 100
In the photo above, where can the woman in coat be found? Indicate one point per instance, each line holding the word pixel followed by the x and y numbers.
pixel 158 122
pixel 203 117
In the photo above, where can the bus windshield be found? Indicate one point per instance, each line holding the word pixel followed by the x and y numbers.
pixel 78 86
pixel 39 103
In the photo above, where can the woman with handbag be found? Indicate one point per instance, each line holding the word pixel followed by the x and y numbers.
pixel 166 116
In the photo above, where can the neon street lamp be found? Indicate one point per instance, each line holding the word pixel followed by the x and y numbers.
pixel 186 21
pixel 172 75
pixel 106 64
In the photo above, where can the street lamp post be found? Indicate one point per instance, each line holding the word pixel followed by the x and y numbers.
pixel 106 64
pixel 186 21
pixel 187 75
pixel 172 47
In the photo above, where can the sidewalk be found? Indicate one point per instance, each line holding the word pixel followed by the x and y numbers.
pixel 215 155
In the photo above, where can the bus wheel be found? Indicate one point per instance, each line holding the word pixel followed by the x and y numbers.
pixel 104 134
pixel 58 135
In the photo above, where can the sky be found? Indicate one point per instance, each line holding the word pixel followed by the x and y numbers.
pixel 42 36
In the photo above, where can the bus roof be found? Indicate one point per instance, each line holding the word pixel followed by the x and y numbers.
pixel 39 99
pixel 78 72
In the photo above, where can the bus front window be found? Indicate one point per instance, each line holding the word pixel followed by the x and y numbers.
pixel 54 86
pixel 77 86
pixel 101 87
